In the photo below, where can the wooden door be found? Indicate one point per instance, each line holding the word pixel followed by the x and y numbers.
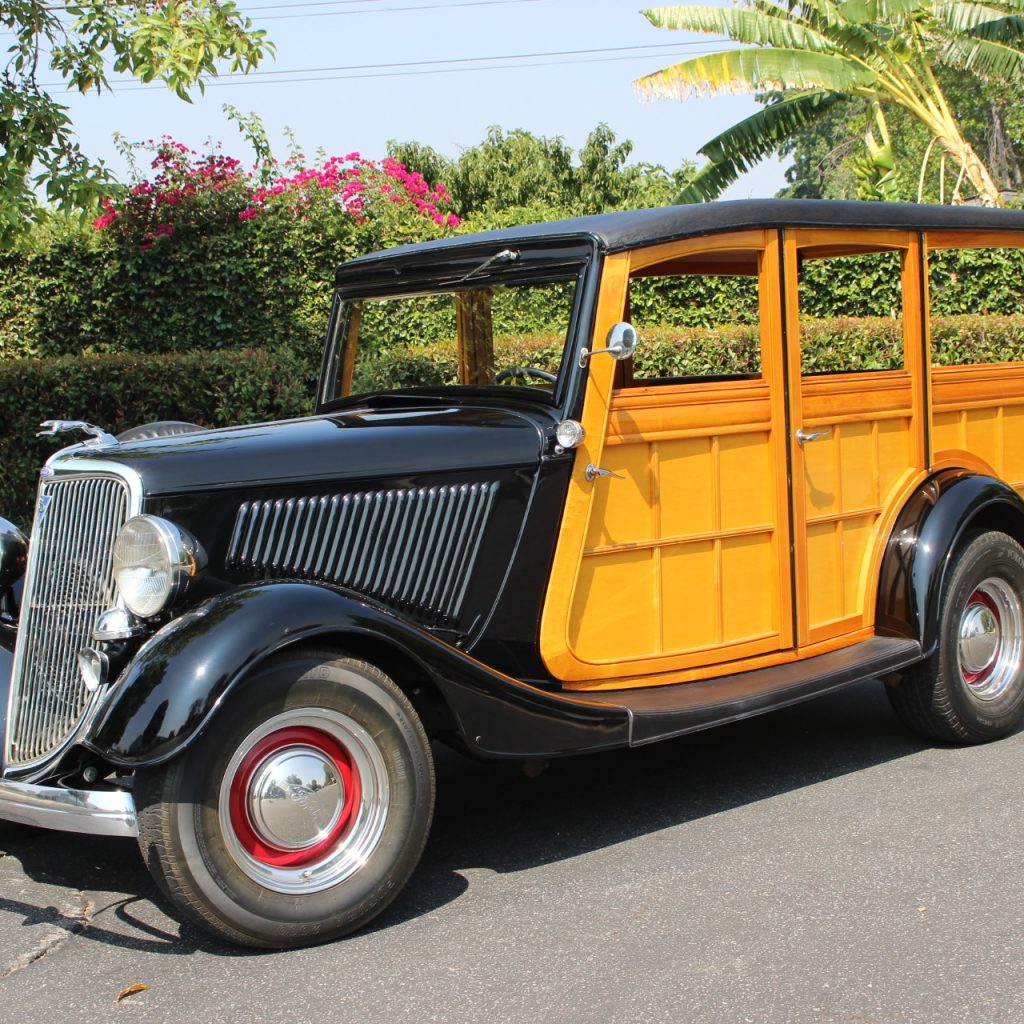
pixel 681 562
pixel 856 378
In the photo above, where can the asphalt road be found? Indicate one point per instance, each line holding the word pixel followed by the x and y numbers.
pixel 818 864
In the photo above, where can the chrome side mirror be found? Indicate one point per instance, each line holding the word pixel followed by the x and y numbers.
pixel 621 344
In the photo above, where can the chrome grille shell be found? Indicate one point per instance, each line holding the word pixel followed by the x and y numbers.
pixel 81 505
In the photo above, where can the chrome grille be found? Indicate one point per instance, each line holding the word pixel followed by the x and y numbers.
pixel 413 548
pixel 69 582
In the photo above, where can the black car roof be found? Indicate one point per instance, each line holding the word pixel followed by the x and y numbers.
pixel 613 232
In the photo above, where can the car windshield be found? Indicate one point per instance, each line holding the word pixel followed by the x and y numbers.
pixel 500 334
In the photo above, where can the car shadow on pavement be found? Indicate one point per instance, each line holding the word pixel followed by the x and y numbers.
pixel 495 816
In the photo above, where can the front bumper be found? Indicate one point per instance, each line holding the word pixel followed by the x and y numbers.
pixel 108 812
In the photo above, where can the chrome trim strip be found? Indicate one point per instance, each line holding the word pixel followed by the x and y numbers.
pixel 109 812
pixel 63 465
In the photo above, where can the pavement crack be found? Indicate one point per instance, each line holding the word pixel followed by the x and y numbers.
pixel 70 925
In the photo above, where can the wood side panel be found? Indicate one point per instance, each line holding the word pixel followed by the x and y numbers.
pixel 978 414
pixel 627 681
pixel 974 240
pixel 695 516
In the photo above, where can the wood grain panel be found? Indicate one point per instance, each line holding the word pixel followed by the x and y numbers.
pixel 979 411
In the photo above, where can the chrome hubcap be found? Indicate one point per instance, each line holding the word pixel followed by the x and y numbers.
pixel 304 801
pixel 990 639
pixel 295 798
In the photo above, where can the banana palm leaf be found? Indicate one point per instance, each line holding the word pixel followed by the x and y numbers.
pixel 865 12
pixel 826 17
pixel 730 72
pixel 980 21
pixel 983 57
pixel 818 27
pixel 757 28
pixel 1006 6
pixel 741 146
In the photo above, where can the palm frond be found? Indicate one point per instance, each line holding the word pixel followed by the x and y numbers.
pixel 980 21
pixel 983 57
pixel 730 72
pixel 757 28
pixel 740 147
pixel 1005 6
pixel 824 16
pixel 867 12
pixel 708 183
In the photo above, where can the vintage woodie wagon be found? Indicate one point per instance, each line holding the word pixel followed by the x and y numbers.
pixel 566 487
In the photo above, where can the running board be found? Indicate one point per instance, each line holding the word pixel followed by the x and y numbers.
pixel 660 712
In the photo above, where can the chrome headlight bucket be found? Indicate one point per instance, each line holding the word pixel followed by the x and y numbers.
pixel 154 562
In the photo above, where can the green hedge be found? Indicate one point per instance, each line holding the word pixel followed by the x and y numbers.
pixel 120 391
pixel 117 391
pixel 828 346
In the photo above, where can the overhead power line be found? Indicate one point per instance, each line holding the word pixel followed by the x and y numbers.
pixel 452 64
pixel 315 3
pixel 214 83
pixel 256 11
pixel 385 10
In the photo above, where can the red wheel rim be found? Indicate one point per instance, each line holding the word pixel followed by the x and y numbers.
pixel 979 676
pixel 258 846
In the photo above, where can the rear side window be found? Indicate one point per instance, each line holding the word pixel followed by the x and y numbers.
pixel 851 312
pixel 976 299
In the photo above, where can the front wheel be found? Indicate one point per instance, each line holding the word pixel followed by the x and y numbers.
pixel 972 689
pixel 300 813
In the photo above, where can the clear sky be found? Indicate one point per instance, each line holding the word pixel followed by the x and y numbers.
pixel 352 74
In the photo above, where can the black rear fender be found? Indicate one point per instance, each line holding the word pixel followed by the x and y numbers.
pixel 927 532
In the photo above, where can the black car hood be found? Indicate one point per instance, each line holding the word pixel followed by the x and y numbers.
pixel 362 442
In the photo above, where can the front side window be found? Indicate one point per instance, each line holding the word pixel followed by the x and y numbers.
pixel 700 324
pixel 496 335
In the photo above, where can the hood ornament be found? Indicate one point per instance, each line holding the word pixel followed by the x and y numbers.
pixel 98 436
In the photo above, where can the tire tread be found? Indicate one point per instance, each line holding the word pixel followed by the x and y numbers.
pixel 926 699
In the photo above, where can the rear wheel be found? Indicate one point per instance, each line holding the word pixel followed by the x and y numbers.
pixel 300 813
pixel 972 689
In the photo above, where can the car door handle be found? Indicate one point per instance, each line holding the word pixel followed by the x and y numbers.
pixel 803 436
pixel 592 472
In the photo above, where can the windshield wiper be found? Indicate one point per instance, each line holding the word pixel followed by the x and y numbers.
pixel 504 256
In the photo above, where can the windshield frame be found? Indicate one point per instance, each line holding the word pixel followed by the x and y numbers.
pixel 465 269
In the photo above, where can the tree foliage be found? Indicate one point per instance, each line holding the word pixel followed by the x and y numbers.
pixel 514 177
pixel 810 54
pixel 827 155
pixel 177 42
pixel 205 254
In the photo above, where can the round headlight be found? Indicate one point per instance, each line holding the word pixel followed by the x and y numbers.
pixel 154 560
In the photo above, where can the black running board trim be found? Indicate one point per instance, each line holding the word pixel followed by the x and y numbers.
pixel 660 712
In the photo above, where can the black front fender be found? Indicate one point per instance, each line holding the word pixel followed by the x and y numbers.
pixel 926 534
pixel 194 666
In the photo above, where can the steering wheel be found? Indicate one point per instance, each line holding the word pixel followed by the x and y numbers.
pixel 524 371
